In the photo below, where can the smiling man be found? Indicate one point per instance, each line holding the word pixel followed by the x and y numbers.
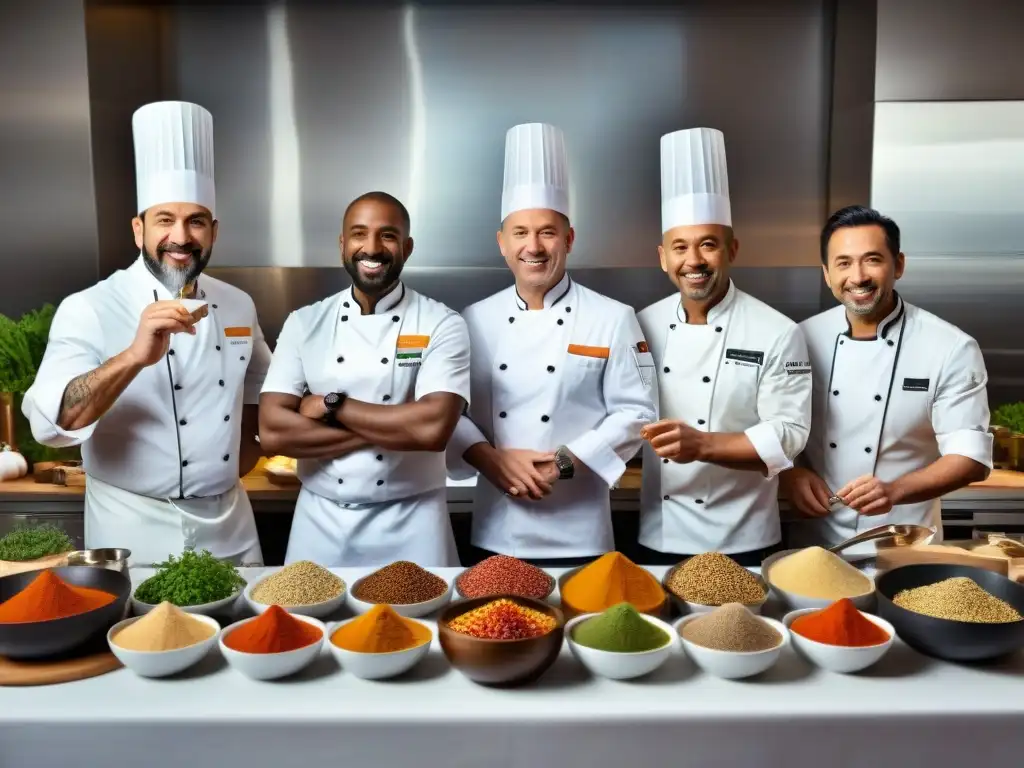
pixel 561 379
pixel 163 401
pixel 733 377
pixel 365 389
pixel 900 402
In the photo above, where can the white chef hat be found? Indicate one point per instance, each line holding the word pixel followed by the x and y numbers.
pixel 173 154
pixel 536 170
pixel 694 179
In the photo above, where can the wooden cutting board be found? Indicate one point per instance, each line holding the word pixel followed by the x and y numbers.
pixel 1002 478
pixel 18 672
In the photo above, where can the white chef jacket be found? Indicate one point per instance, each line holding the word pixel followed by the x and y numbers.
pixel 746 371
pixel 576 373
pixel 356 509
pixel 891 405
pixel 174 432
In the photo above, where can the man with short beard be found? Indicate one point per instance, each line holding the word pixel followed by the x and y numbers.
pixel 733 377
pixel 162 398
pixel 365 389
pixel 561 379
pixel 900 402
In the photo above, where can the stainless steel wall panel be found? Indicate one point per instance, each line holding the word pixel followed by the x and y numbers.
pixel 48 216
pixel 950 50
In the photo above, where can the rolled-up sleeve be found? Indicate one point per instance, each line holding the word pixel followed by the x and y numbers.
pixel 960 415
pixel 285 374
pixel 259 364
pixel 629 404
pixel 74 347
pixel 783 404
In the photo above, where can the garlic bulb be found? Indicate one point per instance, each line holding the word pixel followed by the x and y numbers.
pixel 12 463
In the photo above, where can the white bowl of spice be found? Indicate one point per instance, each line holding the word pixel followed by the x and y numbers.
pixel 620 643
pixel 380 643
pixel 411 590
pixel 816 578
pixel 273 645
pixel 303 588
pixel 731 642
pixel 165 641
pixel 704 582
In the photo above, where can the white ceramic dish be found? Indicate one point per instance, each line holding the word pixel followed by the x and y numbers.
pixel 271 666
pixel 218 607
pixel 379 666
pixel 621 666
pixel 317 610
pixel 733 665
pixel 162 663
pixel 795 602
pixel 837 658
pixel 409 610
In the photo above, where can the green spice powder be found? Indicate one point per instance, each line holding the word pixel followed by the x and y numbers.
pixel 620 629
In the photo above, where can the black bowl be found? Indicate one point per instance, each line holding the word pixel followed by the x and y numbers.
pixel 942 638
pixel 40 639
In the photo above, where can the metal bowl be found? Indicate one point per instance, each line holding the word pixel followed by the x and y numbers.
pixel 39 639
pixel 113 559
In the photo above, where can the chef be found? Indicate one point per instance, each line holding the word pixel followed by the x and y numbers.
pixel 162 399
pixel 365 389
pixel 900 403
pixel 733 377
pixel 561 379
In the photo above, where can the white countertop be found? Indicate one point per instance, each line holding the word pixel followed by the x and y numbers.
pixel 907 710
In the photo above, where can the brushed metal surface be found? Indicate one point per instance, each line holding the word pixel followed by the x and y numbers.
pixel 48 216
pixel 315 103
pixel 950 50
pixel 952 176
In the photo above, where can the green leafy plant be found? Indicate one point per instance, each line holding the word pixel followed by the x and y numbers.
pixel 31 543
pixel 1009 415
pixel 192 579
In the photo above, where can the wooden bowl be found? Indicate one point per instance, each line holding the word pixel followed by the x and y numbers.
pixel 500 662
pixel 660 611
pixel 40 639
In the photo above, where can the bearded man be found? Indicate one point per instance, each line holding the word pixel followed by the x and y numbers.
pixel 365 389
pixel 156 370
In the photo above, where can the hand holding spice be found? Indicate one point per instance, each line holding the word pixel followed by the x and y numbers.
pixel 503 620
pixel 611 579
pixel 165 628
pixel 401 583
pixel 273 631
pixel 840 624
pixel 380 630
pixel 192 579
pixel 620 629
pixel 48 597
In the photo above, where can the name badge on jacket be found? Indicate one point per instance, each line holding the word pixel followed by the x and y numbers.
pixel 748 356
pixel 915 385
pixel 238 336
pixel 409 350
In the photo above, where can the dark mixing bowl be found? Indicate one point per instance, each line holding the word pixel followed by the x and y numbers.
pixel 942 638
pixel 40 639
pixel 500 662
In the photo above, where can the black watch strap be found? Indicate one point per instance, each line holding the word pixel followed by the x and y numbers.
pixel 332 402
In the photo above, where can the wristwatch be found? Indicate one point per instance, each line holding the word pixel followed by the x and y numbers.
pixel 566 469
pixel 332 402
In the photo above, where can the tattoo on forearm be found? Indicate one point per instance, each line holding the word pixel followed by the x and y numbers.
pixel 80 389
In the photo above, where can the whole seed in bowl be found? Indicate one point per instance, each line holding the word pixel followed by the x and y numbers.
pixel 715 579
pixel 401 583
pixel 957 599
pixel 504 575
pixel 301 583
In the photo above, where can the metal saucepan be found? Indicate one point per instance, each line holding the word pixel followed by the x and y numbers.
pixel 113 559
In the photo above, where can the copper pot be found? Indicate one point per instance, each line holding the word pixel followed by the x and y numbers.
pixel 7 430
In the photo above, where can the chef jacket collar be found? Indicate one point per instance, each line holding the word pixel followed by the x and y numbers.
pixel 385 304
pixel 716 311
pixel 552 297
pixel 148 282
pixel 885 327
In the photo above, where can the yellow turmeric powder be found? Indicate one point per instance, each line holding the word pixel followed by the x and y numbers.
pixel 612 579
pixel 380 630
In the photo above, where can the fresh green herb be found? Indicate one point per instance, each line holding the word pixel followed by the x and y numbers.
pixel 22 344
pixel 1010 415
pixel 192 579
pixel 32 543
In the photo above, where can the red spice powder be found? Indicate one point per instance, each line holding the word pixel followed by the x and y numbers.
pixel 275 631
pixel 840 624
pixel 49 597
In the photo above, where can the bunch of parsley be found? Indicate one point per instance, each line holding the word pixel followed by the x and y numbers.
pixel 192 579
pixel 32 543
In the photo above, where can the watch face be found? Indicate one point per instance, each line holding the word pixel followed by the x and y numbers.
pixel 332 399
